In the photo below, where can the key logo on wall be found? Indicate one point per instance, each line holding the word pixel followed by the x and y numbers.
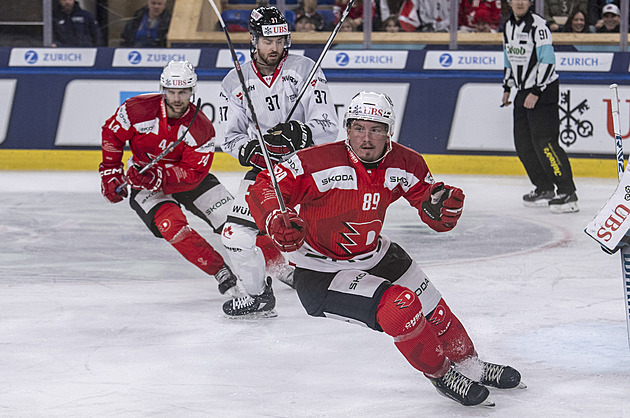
pixel 570 124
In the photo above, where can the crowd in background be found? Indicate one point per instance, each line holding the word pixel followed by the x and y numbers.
pixel 148 27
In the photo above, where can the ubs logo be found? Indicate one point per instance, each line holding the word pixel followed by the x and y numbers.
pixel 134 57
pixel 30 56
pixel 342 59
pixel 446 60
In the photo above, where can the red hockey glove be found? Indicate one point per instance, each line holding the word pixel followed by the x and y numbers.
pixel 112 176
pixel 443 207
pixel 285 138
pixel 251 155
pixel 287 239
pixel 149 180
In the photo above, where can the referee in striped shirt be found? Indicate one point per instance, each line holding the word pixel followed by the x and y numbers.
pixel 529 66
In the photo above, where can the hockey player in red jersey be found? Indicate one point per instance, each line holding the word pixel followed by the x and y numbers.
pixel 149 123
pixel 345 268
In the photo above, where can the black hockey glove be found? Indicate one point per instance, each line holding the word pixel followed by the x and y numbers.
pixel 443 207
pixel 251 155
pixel 285 138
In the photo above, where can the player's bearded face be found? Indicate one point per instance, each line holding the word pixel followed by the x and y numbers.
pixel 368 139
pixel 177 101
pixel 270 49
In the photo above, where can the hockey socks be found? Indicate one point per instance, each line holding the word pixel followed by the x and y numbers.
pixel 400 315
pixel 174 228
pixel 455 341
pixel 273 257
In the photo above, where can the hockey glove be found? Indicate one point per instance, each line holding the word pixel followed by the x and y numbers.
pixel 443 207
pixel 287 239
pixel 112 176
pixel 251 155
pixel 285 138
pixel 149 180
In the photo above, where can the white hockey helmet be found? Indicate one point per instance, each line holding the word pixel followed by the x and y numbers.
pixel 375 107
pixel 178 75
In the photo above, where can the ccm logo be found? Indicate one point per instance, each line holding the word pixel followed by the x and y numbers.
pixel 613 222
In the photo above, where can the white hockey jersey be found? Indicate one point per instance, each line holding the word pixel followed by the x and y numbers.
pixel 273 98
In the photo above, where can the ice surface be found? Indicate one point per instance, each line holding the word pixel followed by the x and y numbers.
pixel 98 318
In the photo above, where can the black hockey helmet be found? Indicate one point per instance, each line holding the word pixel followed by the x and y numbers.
pixel 268 21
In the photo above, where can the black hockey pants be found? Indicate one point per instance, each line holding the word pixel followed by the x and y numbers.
pixel 536 140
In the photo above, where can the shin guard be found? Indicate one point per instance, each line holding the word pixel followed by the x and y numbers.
pixel 174 228
pixel 455 341
pixel 400 315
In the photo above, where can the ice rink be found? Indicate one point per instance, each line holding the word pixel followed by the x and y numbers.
pixel 100 319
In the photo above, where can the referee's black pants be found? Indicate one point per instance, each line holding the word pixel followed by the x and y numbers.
pixel 536 140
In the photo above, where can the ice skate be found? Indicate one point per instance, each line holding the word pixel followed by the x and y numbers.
pixel 500 377
pixel 228 283
pixel 459 388
pixel 564 203
pixel 256 306
pixel 537 198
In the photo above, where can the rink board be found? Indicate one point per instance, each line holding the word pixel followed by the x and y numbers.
pixel 446 102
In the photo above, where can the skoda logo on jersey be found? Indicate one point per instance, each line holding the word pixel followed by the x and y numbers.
pixel 30 56
pixel 342 59
pixel 446 60
pixel 134 57
pixel 241 57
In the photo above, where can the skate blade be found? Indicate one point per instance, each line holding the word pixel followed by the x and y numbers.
pixel 566 208
pixel 487 402
pixel 538 204
pixel 521 385
pixel 253 316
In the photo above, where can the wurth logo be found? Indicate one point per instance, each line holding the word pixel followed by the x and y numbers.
pixel 404 300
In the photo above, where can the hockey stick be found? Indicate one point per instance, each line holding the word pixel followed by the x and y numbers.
pixel 167 150
pixel 309 78
pixel 625 250
pixel 237 67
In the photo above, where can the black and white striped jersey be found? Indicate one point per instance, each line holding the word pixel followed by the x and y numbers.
pixel 529 59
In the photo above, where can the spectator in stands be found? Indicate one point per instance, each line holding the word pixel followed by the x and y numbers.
pixel 482 22
pixel 304 24
pixel 356 14
pixel 148 27
pixel 391 24
pixel 558 11
pixel 308 8
pixel 389 7
pixel 594 12
pixel 487 12
pixel 610 16
pixel 347 26
pixel 577 23
pixel 434 15
pixel 73 26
